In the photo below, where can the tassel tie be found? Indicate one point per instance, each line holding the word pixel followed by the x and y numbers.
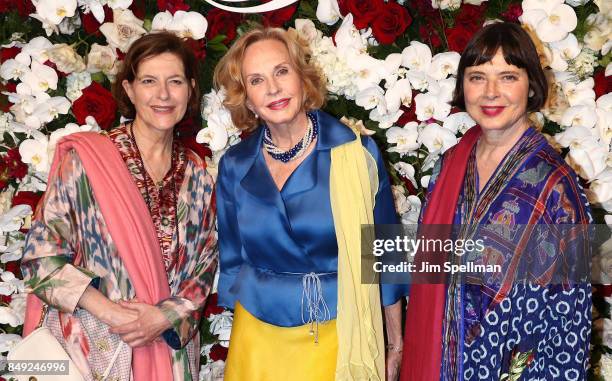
pixel 318 311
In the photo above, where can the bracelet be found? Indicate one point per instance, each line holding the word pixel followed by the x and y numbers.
pixel 395 347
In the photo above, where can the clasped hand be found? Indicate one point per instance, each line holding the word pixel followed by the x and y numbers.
pixel 138 323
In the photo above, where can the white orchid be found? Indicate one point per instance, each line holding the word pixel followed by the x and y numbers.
pixel 212 371
pixel 37 49
pixel 54 11
pixel 587 157
pixel 604 118
pixel 446 4
pixel 10 317
pixel 406 171
pixel 411 216
pixel 443 65
pixel 40 78
pixel 429 106
pixel 96 7
pixel 185 24
pixel 367 69
pixel 581 93
pixel 10 284
pixel 119 4
pixel 406 138
pixel 13 219
pixel 8 341
pixel 419 80
pixel 124 30
pixel 12 252
pixel 399 95
pixel 215 134
pixel 18 304
pixel 34 152
pixel 551 19
pixel 15 68
pixel 436 138
pixel 372 97
pixel 599 31
pixel 600 189
pixel 348 39
pixel 417 57
pixel 385 120
pixel 443 89
pixel 458 122
pixel 328 11
pixel 584 116
pixel 221 325
pixel 563 51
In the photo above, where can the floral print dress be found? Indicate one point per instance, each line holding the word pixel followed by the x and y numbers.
pixel 69 248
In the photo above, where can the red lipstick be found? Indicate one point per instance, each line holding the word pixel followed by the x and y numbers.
pixel 492 110
pixel 279 104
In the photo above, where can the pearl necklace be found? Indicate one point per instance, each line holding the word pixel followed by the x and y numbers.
pixel 299 149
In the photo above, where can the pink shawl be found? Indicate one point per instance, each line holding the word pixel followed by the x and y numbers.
pixel 132 230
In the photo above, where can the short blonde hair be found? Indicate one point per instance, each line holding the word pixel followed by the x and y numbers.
pixel 228 74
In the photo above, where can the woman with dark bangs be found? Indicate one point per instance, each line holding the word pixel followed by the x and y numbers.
pixel 503 183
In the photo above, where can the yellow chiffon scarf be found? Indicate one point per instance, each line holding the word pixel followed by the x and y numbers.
pixel 353 187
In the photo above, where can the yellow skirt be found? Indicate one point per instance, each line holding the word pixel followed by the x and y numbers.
pixel 260 351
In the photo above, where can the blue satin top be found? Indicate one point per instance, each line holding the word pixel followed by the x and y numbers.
pixel 269 240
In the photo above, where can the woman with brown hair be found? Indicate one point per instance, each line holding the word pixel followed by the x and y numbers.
pixel 505 185
pixel 122 249
pixel 291 200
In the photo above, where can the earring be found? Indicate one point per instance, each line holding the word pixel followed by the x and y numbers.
pixel 531 93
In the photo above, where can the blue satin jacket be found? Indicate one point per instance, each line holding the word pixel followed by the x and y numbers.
pixel 269 239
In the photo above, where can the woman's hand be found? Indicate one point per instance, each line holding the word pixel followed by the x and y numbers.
pixel 393 320
pixel 148 326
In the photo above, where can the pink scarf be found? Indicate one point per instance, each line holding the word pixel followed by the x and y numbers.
pixel 423 334
pixel 132 230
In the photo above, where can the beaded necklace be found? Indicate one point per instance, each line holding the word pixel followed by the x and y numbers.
pixel 145 177
pixel 299 149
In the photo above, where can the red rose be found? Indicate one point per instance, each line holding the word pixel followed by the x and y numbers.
pixel 138 8
pixel 363 11
pixel 222 22
pixel 458 37
pixel 14 267
pixel 27 198
pixel 211 306
pixel 8 53
pixel 430 35
pixel 513 12
pixel 409 114
pixel 91 24
pixel 390 23
pixel 603 84
pixel 172 5
pixel 218 352
pixel 198 47
pixel 17 169
pixel 97 102
pixel 470 16
pixel 278 17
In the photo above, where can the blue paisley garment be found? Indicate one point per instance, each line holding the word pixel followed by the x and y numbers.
pixel 531 307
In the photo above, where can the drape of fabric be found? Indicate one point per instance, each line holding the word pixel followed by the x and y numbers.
pixel 423 333
pixel 361 353
pixel 532 216
pixel 268 352
pixel 131 227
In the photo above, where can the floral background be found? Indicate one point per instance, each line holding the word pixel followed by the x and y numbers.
pixel 390 69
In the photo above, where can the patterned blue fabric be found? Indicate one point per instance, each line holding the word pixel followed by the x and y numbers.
pixel 499 317
pixel 269 240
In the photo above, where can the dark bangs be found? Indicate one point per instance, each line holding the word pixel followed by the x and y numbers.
pixel 518 50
